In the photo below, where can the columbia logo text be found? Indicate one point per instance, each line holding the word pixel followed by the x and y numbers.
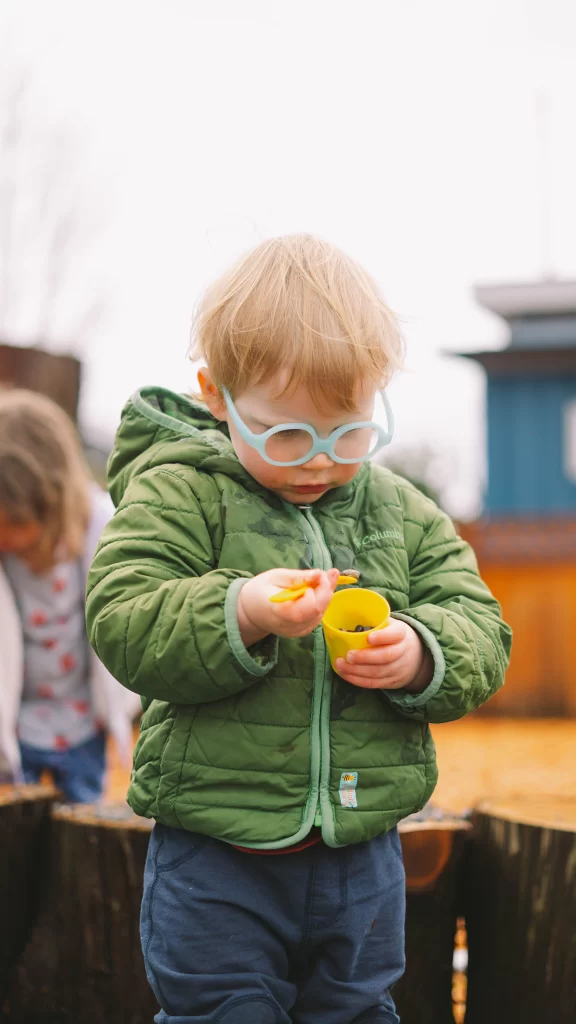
pixel 379 535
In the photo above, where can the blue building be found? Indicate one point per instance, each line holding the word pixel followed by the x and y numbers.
pixel 526 539
pixel 531 402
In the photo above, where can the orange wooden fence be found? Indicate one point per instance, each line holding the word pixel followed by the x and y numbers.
pixel 531 569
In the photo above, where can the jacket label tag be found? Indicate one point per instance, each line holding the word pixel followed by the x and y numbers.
pixel 347 789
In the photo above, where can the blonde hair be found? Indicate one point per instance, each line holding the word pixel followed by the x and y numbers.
pixel 300 305
pixel 43 474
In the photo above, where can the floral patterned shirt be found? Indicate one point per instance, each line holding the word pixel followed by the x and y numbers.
pixel 56 712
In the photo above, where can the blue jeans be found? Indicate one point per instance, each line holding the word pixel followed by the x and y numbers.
pixel 78 772
pixel 237 938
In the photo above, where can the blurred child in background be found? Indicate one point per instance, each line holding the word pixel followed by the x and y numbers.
pixel 57 701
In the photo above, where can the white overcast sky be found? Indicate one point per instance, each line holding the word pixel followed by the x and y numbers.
pixel 402 130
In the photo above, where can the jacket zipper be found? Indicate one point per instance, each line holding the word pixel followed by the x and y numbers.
pixel 318 809
pixel 323 692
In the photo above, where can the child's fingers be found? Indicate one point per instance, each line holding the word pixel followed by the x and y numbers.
pixel 368 671
pixel 303 577
pixel 300 612
pixel 325 590
pixel 376 655
pixel 322 592
pixel 305 607
pixel 314 577
pixel 287 586
pixel 292 580
pixel 392 634
pixel 377 681
pixel 310 607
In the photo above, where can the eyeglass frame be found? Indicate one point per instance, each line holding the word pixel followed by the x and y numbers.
pixel 319 445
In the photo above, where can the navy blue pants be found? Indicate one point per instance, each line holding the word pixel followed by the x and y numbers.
pixel 315 937
pixel 78 772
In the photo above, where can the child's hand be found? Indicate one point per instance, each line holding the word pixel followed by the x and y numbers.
pixel 397 659
pixel 258 616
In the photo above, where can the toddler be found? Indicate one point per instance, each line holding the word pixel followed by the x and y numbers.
pixel 274 887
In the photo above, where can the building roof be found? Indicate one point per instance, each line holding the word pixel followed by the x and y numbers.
pixel 542 327
pixel 529 361
pixel 551 297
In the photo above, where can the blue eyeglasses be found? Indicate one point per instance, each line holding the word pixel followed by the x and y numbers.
pixel 292 444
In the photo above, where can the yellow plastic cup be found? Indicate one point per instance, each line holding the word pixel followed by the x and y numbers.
pixel 348 609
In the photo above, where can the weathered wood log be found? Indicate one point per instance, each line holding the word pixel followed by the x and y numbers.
pixel 432 846
pixel 84 963
pixel 24 867
pixel 521 912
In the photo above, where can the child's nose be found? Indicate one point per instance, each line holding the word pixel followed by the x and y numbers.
pixel 320 461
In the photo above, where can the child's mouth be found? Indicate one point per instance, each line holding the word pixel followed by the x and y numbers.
pixel 311 489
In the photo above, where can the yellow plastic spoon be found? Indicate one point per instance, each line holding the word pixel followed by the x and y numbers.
pixel 299 589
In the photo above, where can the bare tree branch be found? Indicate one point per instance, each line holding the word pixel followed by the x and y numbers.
pixel 45 225
pixel 11 138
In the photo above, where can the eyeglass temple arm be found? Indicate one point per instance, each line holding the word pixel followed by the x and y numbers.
pixel 389 415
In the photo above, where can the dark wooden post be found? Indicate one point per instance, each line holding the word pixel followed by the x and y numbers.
pixel 521 912
pixel 84 963
pixel 432 850
pixel 24 869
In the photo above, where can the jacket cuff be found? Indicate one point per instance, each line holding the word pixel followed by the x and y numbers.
pixel 414 703
pixel 262 656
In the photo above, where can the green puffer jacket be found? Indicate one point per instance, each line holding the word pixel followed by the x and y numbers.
pixel 249 746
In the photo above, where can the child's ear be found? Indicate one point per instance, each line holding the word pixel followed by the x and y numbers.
pixel 212 395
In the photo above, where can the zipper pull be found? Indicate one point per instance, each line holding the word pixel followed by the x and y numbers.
pixel 318 818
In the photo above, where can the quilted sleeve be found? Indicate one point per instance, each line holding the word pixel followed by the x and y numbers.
pixel 458 619
pixel 160 617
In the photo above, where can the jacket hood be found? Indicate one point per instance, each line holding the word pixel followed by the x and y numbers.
pixel 160 427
